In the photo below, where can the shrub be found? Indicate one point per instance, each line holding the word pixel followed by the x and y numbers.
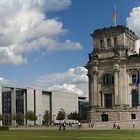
pixel 4 128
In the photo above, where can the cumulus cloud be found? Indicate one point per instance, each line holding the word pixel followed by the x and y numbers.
pixel 42 5
pixel 69 88
pixel 24 27
pixel 133 22
pixel 55 5
pixel 4 81
pixel 75 80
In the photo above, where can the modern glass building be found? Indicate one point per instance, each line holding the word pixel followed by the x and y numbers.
pixel 17 102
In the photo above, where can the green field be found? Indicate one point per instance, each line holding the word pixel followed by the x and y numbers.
pixel 70 135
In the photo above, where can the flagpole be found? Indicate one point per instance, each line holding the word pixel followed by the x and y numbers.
pixel 115 13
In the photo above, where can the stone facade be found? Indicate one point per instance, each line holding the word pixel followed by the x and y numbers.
pixel 113 72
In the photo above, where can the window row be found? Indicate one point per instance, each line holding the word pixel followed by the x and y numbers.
pixel 108 79
pixel 108 99
pixel 107 42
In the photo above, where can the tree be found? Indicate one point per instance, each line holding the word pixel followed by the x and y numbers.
pixel 14 116
pixel 1 117
pixel 47 116
pixel 31 116
pixel 19 117
pixel 61 115
pixel 73 116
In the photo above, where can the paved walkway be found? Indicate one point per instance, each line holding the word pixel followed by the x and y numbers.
pixel 97 125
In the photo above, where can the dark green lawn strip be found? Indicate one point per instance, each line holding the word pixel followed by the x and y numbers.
pixel 70 135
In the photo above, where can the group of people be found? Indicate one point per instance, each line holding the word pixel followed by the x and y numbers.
pixel 62 125
pixel 116 126
pixel 91 125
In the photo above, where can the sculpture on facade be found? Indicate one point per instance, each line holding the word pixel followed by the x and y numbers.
pixel 116 51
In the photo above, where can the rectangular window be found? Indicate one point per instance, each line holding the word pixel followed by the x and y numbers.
pixel 108 42
pixel 6 102
pixel 20 101
pixel 134 78
pixel 133 116
pixel 115 41
pixel 101 43
pixel 108 100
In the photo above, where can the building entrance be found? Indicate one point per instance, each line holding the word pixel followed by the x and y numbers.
pixel 104 117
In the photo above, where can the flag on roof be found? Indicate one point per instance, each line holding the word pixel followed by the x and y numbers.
pixel 114 14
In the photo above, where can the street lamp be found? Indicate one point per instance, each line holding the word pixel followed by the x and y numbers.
pixel 8 119
pixel 40 119
pixel 53 118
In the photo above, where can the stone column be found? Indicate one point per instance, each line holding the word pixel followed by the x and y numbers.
pixel 13 102
pixel 116 84
pixel 95 86
pixel 90 78
pixel 112 41
pixel 25 107
pixel 123 85
pixel 105 42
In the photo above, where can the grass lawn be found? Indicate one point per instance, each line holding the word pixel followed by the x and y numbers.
pixel 70 135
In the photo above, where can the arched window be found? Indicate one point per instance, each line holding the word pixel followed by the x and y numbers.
pixel 108 79
pixel 135 98
pixel 134 78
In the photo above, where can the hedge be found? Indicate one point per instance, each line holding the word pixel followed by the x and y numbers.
pixel 4 128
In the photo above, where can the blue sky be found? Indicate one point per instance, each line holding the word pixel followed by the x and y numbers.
pixel 45 44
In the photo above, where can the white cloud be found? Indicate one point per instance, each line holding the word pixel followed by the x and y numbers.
pixel 69 88
pixel 75 80
pixel 55 5
pixel 133 22
pixel 24 27
pixel 4 81
pixel 42 5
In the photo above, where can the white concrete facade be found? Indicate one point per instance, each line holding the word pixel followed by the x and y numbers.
pixel 18 100
pixel 66 101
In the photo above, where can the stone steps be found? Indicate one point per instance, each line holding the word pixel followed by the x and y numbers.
pixel 109 125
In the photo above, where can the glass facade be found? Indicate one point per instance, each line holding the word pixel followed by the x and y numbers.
pixel 20 107
pixel 16 102
pixel 6 108
pixel 20 101
pixel 6 102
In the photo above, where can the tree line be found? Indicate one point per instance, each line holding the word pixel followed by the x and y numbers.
pixel 47 117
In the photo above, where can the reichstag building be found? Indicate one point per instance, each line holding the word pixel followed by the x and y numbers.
pixel 113 72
